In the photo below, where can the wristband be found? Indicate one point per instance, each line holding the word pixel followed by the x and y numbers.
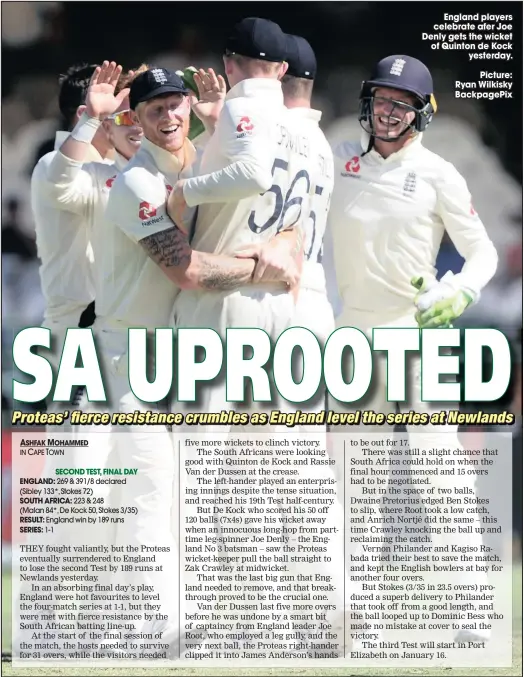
pixel 86 128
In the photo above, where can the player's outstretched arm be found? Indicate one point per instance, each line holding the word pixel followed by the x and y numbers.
pixel 170 249
pixel 137 205
pixel 467 232
pixel 101 101
pixel 70 184
pixel 243 139
pixel 190 269
pixel 439 304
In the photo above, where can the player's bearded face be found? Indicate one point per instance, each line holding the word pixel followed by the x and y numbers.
pixel 165 121
pixel 392 112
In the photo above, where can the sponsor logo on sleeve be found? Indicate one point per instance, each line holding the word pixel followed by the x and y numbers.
pixel 352 168
pixel 244 127
pixel 147 212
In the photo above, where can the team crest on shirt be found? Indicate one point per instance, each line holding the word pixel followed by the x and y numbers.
pixel 146 211
pixel 244 127
pixel 352 168
pixel 110 181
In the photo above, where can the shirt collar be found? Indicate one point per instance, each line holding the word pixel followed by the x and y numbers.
pixel 165 161
pixel 92 154
pixel 120 161
pixel 257 87
pixel 306 113
pixel 412 147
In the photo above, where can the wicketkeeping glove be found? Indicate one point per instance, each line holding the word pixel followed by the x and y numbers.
pixel 439 303
pixel 196 126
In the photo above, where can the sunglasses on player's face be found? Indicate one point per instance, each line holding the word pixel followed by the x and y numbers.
pixel 124 117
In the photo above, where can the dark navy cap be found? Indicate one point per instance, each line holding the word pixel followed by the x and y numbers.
pixel 155 82
pixel 300 57
pixel 257 39
pixel 403 72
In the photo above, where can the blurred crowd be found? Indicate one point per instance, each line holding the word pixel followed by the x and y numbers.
pixel 33 35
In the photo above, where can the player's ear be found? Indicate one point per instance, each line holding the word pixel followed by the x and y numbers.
pixel 79 112
pixel 228 65
pixel 282 70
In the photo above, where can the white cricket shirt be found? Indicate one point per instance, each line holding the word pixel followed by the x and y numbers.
pixel 134 290
pixel 387 220
pixel 82 188
pixel 247 170
pixel 63 245
pixel 320 177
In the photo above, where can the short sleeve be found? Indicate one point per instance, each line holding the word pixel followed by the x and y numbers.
pixel 138 204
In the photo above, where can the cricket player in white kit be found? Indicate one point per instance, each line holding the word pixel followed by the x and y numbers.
pixel 393 199
pixel 62 237
pixel 81 186
pixel 313 309
pixel 147 263
pixel 65 199
pixel 251 186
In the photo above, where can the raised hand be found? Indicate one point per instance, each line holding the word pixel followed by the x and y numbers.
pixel 101 100
pixel 211 94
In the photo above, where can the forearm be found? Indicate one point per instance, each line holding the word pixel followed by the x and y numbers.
pixel 215 272
pixel 63 171
pixel 76 146
pixel 467 232
pixel 479 267
pixel 235 182
pixel 190 269
pixel 67 184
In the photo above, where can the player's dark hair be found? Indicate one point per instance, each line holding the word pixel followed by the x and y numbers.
pixel 74 84
pixel 297 88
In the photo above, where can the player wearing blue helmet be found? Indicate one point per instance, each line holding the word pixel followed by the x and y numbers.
pixel 393 200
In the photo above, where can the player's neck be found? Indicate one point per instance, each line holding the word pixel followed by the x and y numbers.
pixel 387 148
pixel 297 103
pixel 180 155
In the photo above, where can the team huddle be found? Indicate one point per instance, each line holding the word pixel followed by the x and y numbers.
pixel 175 202
pixel 221 224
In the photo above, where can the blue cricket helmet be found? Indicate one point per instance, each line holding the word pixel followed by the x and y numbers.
pixel 405 73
